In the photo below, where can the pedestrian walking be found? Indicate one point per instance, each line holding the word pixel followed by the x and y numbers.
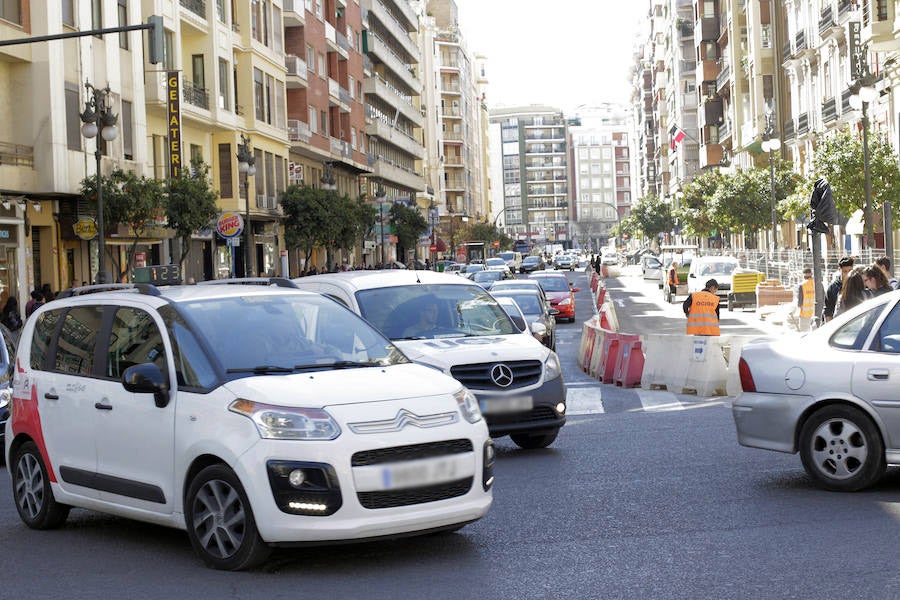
pixel 845 265
pixel 806 300
pixel 702 310
pixel 853 291
pixel 876 281
pixel 672 280
pixel 884 263
pixel 37 300
pixel 10 316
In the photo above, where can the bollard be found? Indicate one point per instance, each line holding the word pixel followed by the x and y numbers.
pixel 630 365
pixel 610 355
pixel 601 298
pixel 587 347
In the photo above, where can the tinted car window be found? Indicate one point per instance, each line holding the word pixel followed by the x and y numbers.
pixel 888 338
pixel 78 340
pixel 852 335
pixel 40 341
pixel 192 367
pixel 134 339
pixel 554 284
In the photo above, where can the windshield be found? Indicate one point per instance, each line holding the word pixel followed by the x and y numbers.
pixel 507 255
pixel 531 259
pixel 425 311
pixel 554 284
pixel 718 268
pixel 285 333
pixel 496 262
pixel 487 276
pixel 529 302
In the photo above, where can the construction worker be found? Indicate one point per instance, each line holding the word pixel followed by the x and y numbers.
pixel 806 300
pixel 702 310
pixel 672 280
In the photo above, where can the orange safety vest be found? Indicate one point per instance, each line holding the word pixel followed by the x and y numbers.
pixel 673 277
pixel 702 319
pixel 809 299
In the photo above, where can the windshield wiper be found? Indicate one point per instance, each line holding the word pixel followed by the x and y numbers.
pixel 262 369
pixel 338 364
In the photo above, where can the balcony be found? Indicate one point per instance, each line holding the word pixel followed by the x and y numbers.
pixel 195 96
pixel 706 29
pixel 800 41
pixel 708 70
pixel 396 29
pixel 803 124
pixel 294 13
pixel 376 47
pixel 296 72
pixel 710 155
pixel 786 52
pixel 453 184
pixel 341 148
pixel 788 130
pixel 723 78
pixel 829 111
pixel 384 168
pixel 878 25
pixel 198 7
pixel 845 10
pixel 377 86
pixel 395 137
pixel 725 131
pixel 15 155
pixel 334 95
pixel 845 101
pixel 298 131
pixel 826 21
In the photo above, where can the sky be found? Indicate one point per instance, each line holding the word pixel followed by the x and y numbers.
pixel 564 53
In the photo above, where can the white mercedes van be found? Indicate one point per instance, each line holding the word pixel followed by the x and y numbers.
pixel 466 334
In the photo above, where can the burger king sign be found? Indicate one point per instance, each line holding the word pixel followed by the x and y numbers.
pixel 230 225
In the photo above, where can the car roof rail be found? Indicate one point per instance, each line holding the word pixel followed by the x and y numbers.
pixel 276 281
pixel 142 288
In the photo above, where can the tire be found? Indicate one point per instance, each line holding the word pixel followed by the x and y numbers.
pixel 532 441
pixel 220 521
pixel 842 449
pixel 32 492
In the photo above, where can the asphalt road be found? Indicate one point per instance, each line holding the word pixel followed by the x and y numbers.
pixel 635 499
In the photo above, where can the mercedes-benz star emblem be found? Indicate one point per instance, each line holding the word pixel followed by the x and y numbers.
pixel 501 375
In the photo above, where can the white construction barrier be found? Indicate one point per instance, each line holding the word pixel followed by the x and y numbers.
pixel 662 366
pixel 707 371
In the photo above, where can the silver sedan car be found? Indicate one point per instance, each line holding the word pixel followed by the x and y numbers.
pixel 832 395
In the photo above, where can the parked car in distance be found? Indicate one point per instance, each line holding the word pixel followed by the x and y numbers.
pixel 560 292
pixel 248 415
pixel 450 267
pixel 609 256
pixel 831 395
pixel 517 284
pixel 651 268
pixel 704 268
pixel 532 263
pixel 496 264
pixel 472 268
pixel 536 311
pixel 517 381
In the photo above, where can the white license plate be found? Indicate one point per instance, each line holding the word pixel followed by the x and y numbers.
pixel 419 473
pixel 509 404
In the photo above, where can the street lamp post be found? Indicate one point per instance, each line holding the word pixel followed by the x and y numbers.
pixel 329 184
pixel 99 118
pixel 247 166
pixel 771 144
pixel 863 92
pixel 379 198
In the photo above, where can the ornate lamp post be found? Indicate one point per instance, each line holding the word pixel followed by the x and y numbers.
pixel 247 166
pixel 863 91
pixel 99 118
pixel 771 144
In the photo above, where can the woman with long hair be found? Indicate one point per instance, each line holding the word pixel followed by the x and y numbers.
pixel 876 281
pixel 853 291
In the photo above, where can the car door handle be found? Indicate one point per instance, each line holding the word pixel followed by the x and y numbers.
pixel 50 396
pixel 102 406
pixel 878 374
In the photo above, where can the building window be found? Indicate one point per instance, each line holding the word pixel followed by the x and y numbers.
pixel 225 189
pixel 169 59
pixel 269 98
pixel 353 137
pixel 279 29
pixel 322 70
pixel 323 117
pixel 196 154
pixel 259 96
pixel 254 19
pixel 310 58
pixel 220 11
pixel 73 118
pixel 279 105
pixel 68 13
pixel 122 11
pixel 313 124
pixel 223 84
pixel 96 13
pixel 127 130
pixel 318 4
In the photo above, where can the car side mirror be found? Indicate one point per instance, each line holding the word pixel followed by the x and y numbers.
pixel 538 329
pixel 574 289
pixel 146 378
pixel 694 275
pixel 553 312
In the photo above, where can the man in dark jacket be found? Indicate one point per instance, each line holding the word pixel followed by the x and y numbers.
pixel 834 290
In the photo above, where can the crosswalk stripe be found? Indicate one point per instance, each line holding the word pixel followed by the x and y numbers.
pixel 658 401
pixel 583 401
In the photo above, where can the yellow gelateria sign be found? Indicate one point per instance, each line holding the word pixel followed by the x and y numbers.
pixel 85 228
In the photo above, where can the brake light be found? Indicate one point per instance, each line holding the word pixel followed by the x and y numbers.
pixel 747 383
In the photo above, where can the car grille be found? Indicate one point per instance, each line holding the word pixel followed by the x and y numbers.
pixel 478 376
pixel 419 495
pixel 536 414
pixel 431 493
pixel 412 452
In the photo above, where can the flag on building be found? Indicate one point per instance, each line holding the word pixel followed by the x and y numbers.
pixel 676 135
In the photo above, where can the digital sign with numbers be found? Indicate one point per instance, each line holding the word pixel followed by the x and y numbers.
pixel 158 274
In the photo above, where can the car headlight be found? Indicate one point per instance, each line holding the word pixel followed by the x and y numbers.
pixel 552 370
pixel 287 423
pixel 468 405
pixel 565 302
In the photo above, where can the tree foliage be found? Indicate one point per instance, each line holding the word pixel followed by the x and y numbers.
pixel 693 209
pixel 651 216
pixel 408 224
pixel 191 204
pixel 489 233
pixel 839 159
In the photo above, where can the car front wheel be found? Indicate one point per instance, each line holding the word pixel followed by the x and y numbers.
pixel 531 441
pixel 31 488
pixel 841 449
pixel 220 522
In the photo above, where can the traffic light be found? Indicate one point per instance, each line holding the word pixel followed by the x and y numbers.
pixel 156 44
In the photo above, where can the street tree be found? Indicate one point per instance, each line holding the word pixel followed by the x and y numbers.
pixel 652 216
pixel 306 218
pixel 408 224
pixel 489 233
pixel 139 203
pixel 191 205
pixel 693 210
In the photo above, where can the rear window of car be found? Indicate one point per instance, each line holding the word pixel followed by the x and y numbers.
pixel 852 335
pixel 554 284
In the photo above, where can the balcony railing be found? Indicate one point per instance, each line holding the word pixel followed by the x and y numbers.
pixel 723 76
pixel 295 65
pixel 800 40
pixel 786 52
pixel 194 95
pixel 845 8
pixel 829 110
pixel 826 20
pixel 198 7
pixel 16 155
pixel 845 101
pixel 789 132
pixel 298 131
pixel 803 123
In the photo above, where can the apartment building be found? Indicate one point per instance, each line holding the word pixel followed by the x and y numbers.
pixel 534 170
pixel 601 173
pixel 681 94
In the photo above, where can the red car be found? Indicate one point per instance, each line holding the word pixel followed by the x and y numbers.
pixel 560 293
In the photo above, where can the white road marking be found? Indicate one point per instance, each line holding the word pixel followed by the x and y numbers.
pixel 658 401
pixel 583 401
